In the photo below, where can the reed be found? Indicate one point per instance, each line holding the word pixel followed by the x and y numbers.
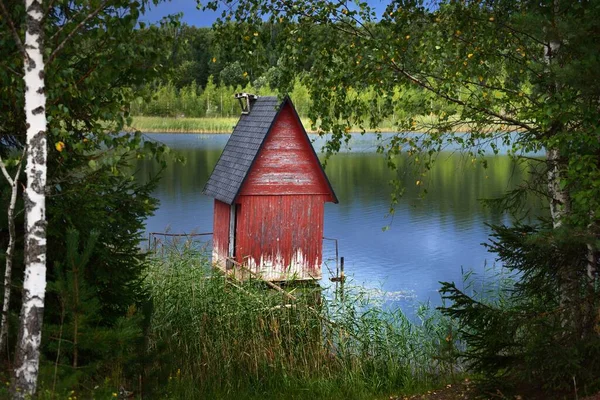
pixel 151 124
pixel 183 125
pixel 214 338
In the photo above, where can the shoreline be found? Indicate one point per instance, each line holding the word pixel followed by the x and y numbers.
pixel 225 126
pixel 213 132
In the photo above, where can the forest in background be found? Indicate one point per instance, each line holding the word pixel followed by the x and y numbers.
pixel 202 76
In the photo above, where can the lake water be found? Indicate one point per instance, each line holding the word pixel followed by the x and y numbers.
pixel 429 239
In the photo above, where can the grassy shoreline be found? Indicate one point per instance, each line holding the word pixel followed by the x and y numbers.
pixel 225 125
pixel 203 125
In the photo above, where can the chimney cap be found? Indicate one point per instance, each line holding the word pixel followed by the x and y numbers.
pixel 246 105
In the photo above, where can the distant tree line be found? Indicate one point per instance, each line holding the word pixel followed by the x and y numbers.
pixel 201 75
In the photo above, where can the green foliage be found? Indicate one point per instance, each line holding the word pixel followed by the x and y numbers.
pixel 90 83
pixel 80 344
pixel 477 66
pixel 215 338
pixel 515 337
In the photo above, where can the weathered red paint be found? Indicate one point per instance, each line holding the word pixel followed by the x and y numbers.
pixel 220 232
pixel 280 237
pixel 279 209
pixel 286 164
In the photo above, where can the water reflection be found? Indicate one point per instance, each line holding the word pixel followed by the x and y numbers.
pixel 430 238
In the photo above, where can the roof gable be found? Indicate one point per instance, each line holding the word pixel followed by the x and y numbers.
pixel 244 146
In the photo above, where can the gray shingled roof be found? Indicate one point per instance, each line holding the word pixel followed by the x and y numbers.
pixel 242 148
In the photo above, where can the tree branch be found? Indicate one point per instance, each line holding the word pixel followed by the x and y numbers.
pixel 13 30
pixel 74 31
pixel 19 74
pixel 5 172
pixel 437 92
pixel 66 23
pixel 50 5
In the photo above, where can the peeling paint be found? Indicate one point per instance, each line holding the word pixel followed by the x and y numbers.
pixel 280 208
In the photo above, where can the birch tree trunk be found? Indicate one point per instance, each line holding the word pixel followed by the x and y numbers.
pixel 27 354
pixel 9 255
pixel 577 311
pixel 560 209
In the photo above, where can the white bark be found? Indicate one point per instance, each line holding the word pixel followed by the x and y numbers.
pixel 559 198
pixel 34 285
pixel 13 182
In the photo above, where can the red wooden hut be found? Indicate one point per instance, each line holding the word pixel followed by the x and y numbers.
pixel 269 190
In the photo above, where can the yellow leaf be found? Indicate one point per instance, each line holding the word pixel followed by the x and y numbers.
pixel 255 33
pixel 407 37
pixel 214 59
pixel 469 55
pixel 491 19
pixel 60 146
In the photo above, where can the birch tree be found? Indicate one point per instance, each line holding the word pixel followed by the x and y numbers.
pixel 27 355
pixel 13 181
pixel 76 102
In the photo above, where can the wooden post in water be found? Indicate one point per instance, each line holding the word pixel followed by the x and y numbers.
pixel 342 278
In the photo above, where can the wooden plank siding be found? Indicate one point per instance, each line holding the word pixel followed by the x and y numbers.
pixel 286 164
pixel 220 233
pixel 280 237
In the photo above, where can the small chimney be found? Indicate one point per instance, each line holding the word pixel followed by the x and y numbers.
pixel 246 101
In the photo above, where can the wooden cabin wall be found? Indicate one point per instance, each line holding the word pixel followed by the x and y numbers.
pixel 280 237
pixel 286 163
pixel 220 233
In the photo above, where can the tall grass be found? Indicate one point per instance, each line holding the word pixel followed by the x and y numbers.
pixel 214 338
pixel 184 125
pixel 188 125
pixel 210 125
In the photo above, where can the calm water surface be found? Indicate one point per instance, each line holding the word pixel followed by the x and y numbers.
pixel 429 238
